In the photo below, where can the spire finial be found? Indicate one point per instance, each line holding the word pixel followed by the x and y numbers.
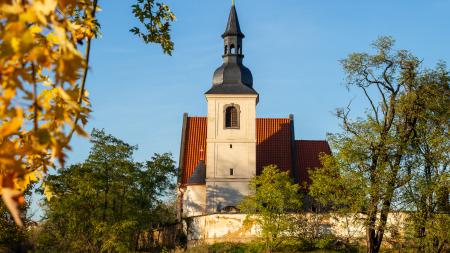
pixel 232 1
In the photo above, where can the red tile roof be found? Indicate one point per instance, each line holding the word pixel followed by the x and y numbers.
pixel 308 153
pixel 194 146
pixel 274 146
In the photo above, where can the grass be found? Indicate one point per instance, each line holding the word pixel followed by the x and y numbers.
pixel 257 247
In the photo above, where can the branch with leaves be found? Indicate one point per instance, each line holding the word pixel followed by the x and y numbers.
pixel 372 157
pixel 43 77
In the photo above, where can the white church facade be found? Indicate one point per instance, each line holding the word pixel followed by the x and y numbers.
pixel 221 152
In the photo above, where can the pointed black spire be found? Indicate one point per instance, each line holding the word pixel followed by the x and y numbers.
pixel 232 77
pixel 233 27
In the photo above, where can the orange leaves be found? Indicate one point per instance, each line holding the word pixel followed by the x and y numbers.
pixel 45 7
pixel 40 66
pixel 66 66
pixel 13 126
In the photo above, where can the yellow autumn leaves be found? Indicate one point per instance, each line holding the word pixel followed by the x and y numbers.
pixel 41 101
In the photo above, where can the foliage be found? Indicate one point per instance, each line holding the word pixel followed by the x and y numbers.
pixel 427 193
pixel 290 246
pixel 435 235
pixel 371 163
pixel 43 100
pixel 275 196
pixel 40 65
pixel 156 18
pixel 108 202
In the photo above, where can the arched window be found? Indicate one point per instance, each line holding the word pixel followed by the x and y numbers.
pixel 232 49
pixel 226 50
pixel 239 50
pixel 231 117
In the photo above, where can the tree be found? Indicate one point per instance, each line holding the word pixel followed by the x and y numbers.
pixel 108 202
pixel 43 73
pixel 273 200
pixel 369 166
pixel 427 193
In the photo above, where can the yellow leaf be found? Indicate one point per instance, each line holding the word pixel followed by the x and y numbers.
pixel 22 183
pixel 29 16
pixel 67 98
pixel 53 38
pixel 15 8
pixel 46 7
pixel 15 44
pixel 12 126
pixel 8 94
pixel 32 176
pixel 47 192
pixel 47 83
pixel 80 131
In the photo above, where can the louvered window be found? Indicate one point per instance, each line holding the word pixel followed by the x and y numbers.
pixel 231 117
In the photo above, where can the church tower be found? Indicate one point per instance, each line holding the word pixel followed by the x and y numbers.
pixel 222 152
pixel 231 125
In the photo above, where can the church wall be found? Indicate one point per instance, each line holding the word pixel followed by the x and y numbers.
pixel 216 228
pixel 194 200
pixel 220 228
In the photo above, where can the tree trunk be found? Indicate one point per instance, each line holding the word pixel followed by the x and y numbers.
pixel 372 241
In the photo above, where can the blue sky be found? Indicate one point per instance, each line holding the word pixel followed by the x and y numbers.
pixel 292 47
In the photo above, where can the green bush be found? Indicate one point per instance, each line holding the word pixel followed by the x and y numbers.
pixel 326 244
pixel 227 248
pixel 219 248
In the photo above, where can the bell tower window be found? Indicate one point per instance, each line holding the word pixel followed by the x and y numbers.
pixel 232 49
pixel 232 116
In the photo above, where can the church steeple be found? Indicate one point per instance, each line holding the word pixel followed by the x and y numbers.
pixel 233 27
pixel 232 77
pixel 231 125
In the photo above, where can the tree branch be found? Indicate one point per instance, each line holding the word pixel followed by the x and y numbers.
pixel 85 73
pixel 385 77
pixel 35 100
pixel 375 109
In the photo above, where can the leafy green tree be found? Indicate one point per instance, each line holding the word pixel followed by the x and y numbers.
pixel 108 203
pixel 273 200
pixel 427 193
pixel 369 167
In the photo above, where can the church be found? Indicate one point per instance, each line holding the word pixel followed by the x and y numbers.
pixel 220 153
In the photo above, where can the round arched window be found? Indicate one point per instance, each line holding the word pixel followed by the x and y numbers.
pixel 231 117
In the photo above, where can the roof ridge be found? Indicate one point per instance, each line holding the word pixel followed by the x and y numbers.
pixel 313 140
pixel 273 118
pixel 256 118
